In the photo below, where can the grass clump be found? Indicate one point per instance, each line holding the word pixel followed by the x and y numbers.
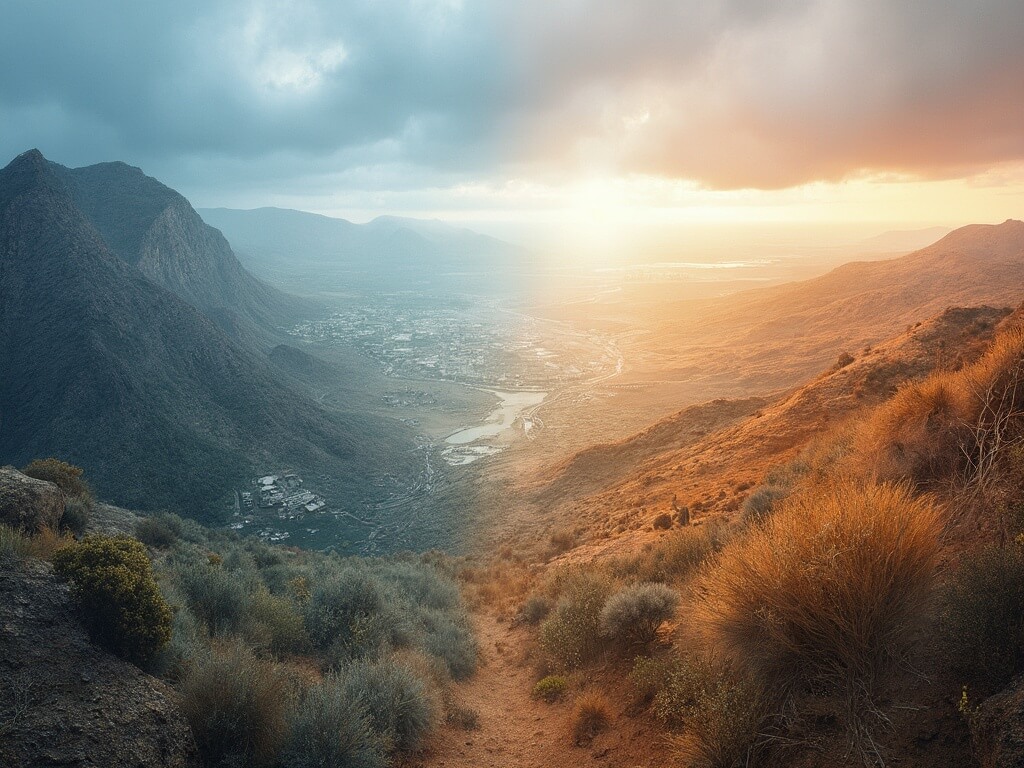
pixel 396 701
pixel 829 592
pixel 571 635
pixel 632 616
pixel 674 558
pixel 762 502
pixel 76 516
pixel 238 707
pixel 591 714
pixel 330 728
pixel 120 604
pixel 534 610
pixel 982 624
pixel 550 688
pixel 158 531
pixel 15 545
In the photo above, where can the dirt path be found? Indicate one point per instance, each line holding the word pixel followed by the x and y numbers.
pixel 517 731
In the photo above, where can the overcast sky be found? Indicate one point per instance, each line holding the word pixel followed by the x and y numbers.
pixel 515 106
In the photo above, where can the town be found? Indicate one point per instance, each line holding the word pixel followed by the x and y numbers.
pixel 279 497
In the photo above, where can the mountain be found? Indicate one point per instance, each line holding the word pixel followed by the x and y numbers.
pixel 307 250
pixel 104 367
pixel 902 240
pixel 156 230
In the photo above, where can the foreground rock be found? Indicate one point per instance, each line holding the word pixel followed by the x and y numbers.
pixel 998 728
pixel 66 702
pixel 28 503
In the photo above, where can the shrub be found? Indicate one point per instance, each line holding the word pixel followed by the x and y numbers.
pixel 238 707
pixel 396 701
pixel 828 591
pixel 112 583
pixel 274 623
pixel 535 609
pixel 662 522
pixel 591 715
pixel 216 597
pixel 550 688
pixel 342 609
pixel 762 502
pixel 724 715
pixel 675 557
pixel 331 728
pixel 450 641
pixel 65 476
pixel 982 627
pixel 464 718
pixel 570 636
pixel 650 676
pixel 562 541
pixel 77 511
pixel 633 615
pixel 155 532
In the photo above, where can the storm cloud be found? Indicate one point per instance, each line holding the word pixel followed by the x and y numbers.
pixel 226 95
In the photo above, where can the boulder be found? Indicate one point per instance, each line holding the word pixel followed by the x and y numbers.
pixel 997 728
pixel 66 702
pixel 27 503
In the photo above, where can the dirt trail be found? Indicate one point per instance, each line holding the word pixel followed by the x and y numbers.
pixel 517 731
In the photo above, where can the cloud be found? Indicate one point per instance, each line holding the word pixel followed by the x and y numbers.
pixel 223 96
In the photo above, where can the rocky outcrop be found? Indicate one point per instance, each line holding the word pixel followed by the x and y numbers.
pixel 64 701
pixel 997 728
pixel 27 503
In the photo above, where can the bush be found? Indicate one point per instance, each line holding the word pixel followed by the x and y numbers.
pixel 550 688
pixel 675 557
pixel 633 615
pixel 662 522
pixel 65 476
pixel 216 597
pixel 724 715
pixel 451 642
pixel 535 609
pixel 570 636
pixel 238 707
pixel 274 623
pixel 343 611
pixel 156 532
pixel 77 512
pixel 591 715
pixel 762 502
pixel 829 591
pixel 120 604
pixel 331 728
pixel 982 627
pixel 396 701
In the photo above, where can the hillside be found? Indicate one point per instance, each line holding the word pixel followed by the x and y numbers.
pixel 105 368
pixel 314 252
pixel 709 456
pixel 156 230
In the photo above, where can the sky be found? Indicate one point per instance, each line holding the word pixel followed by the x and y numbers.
pixel 600 116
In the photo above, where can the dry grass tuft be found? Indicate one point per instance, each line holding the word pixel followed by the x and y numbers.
pixel 591 715
pixel 829 593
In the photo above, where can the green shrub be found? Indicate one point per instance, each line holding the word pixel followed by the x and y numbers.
pixel 632 616
pixel 983 618
pixel 156 532
pixel 331 728
pixel 342 611
pixel 275 623
pixel 216 597
pixel 77 512
pixel 570 636
pixel 650 675
pixel 239 707
pixel 65 476
pixel 550 688
pixel 112 583
pixel 451 641
pixel 395 699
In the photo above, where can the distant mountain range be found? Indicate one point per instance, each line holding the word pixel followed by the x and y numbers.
pixel 314 252
pixel 130 345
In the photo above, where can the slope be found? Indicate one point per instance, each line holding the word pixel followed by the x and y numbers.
pixel 103 367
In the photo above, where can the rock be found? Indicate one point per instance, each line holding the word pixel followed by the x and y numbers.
pixel 28 503
pixel 997 728
pixel 67 702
